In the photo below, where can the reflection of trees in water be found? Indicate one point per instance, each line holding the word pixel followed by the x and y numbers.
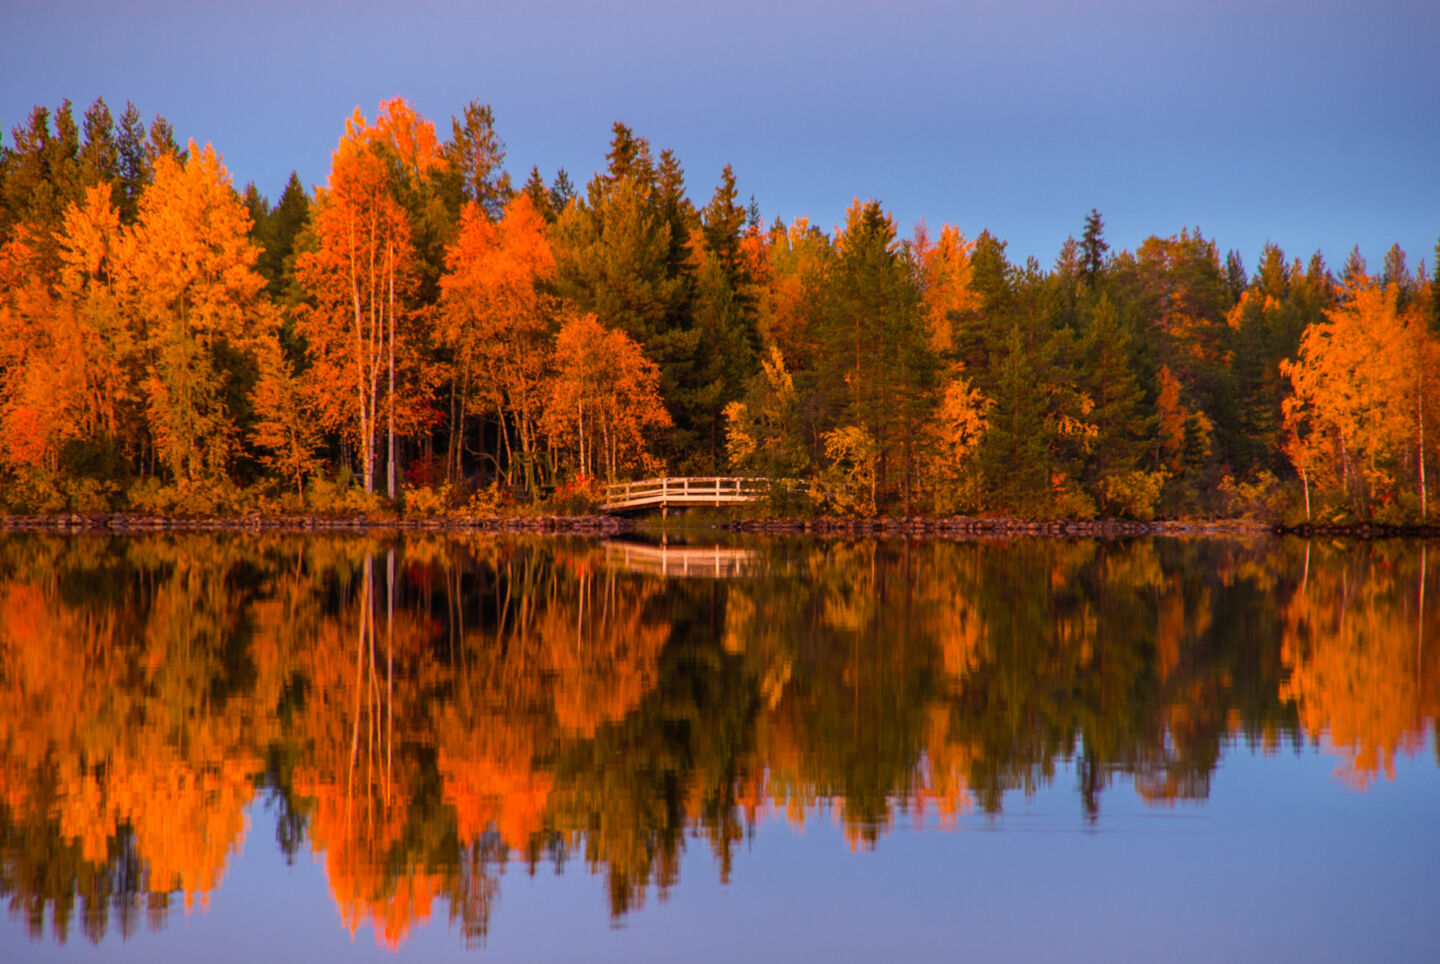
pixel 487 701
pixel 1355 648
pixel 125 763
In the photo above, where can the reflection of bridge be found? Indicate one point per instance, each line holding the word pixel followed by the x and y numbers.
pixel 696 562
pixel 663 493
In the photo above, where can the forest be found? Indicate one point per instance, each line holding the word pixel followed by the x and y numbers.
pixel 420 335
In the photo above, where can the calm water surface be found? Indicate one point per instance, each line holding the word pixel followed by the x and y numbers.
pixel 235 747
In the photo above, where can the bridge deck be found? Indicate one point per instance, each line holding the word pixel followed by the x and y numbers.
pixel 680 491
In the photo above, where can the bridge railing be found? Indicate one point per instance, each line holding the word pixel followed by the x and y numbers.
pixel 680 490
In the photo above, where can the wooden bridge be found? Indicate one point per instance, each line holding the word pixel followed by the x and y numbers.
pixel 664 493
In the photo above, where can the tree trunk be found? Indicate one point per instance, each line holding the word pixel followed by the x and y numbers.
pixel 1420 419
pixel 359 358
pixel 451 449
pixel 390 393
pixel 581 410
pixel 505 441
pixel 1305 485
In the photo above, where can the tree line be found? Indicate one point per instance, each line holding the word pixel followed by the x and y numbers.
pixel 421 331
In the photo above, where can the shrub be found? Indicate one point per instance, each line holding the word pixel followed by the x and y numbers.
pixel 34 491
pixel 487 502
pixel 1263 500
pixel 426 501
pixel 341 497
pixel 1132 495
pixel 579 497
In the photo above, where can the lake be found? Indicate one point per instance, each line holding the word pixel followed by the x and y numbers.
pixel 242 746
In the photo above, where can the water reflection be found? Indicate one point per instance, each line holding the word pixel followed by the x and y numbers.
pixel 424 712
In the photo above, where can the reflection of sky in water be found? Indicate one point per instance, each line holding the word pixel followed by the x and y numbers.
pixel 1283 861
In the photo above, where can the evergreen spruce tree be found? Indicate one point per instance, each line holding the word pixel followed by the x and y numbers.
pixel 99 157
pixel 1123 420
pixel 1093 247
pixel 561 191
pixel 475 163
pixel 539 195
pixel 133 171
pixel 1354 269
pixel 284 224
pixel 1012 452
pixel 1236 280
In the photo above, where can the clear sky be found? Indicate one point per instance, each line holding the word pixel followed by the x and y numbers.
pixel 1313 123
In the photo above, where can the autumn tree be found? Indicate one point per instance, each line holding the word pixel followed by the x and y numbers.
pixel 65 352
pixel 193 297
pixel 798 261
pixel 285 429
pixel 763 432
pixel 1364 387
pixel 604 399
pixel 496 318
pixel 359 278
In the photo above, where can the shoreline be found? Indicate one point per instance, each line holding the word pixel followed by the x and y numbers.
pixel 126 523
pixel 966 526
pixel 1092 528
pixel 610 525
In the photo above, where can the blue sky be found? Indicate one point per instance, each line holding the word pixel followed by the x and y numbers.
pixel 1312 123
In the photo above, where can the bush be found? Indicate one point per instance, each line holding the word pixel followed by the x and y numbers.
pixel 90 495
pixel 1072 503
pixel 1132 495
pixel 341 497
pixel 1264 500
pixel 488 502
pixel 579 497
pixel 183 499
pixel 427 501
pixel 34 491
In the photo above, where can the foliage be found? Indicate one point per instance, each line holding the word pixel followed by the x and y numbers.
pixel 427 501
pixel 1263 500
pixel 575 497
pixel 1363 383
pixel 1134 494
pixel 848 484
pixel 603 400
pixel 340 497
pixel 157 323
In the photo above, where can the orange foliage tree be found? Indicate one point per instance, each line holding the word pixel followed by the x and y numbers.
pixel 360 276
pixel 63 349
pixel 496 317
pixel 603 399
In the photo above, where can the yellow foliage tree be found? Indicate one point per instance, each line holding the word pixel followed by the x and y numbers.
pixel 192 295
pixel 1363 382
